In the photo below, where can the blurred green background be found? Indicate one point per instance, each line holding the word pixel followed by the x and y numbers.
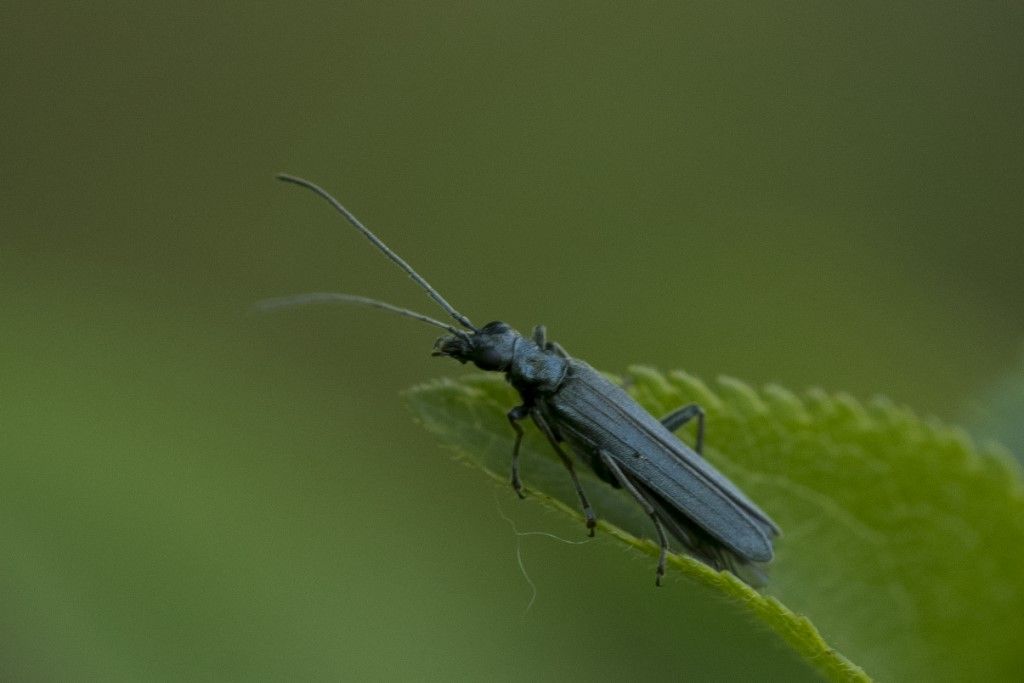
pixel 807 193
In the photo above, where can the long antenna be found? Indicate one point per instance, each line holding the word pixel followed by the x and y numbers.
pixel 334 297
pixel 350 217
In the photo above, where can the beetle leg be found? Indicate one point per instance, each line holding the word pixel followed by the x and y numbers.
pixel 540 336
pixel 677 418
pixel 648 508
pixel 514 416
pixel 588 512
pixel 557 349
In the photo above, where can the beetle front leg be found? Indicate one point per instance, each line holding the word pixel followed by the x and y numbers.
pixel 648 508
pixel 540 338
pixel 588 512
pixel 514 416
pixel 677 418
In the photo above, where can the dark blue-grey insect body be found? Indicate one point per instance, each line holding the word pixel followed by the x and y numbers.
pixel 573 404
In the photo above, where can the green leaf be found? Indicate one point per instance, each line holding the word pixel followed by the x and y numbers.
pixel 999 411
pixel 903 543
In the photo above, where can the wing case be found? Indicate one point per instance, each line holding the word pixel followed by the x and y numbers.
pixel 592 413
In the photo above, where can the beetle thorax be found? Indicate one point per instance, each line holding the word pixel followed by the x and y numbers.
pixel 496 347
pixel 536 370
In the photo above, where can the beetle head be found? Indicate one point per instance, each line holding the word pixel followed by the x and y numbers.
pixel 490 348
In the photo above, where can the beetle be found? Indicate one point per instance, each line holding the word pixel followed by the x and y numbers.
pixel 603 426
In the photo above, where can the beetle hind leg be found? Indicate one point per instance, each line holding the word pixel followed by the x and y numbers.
pixel 679 417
